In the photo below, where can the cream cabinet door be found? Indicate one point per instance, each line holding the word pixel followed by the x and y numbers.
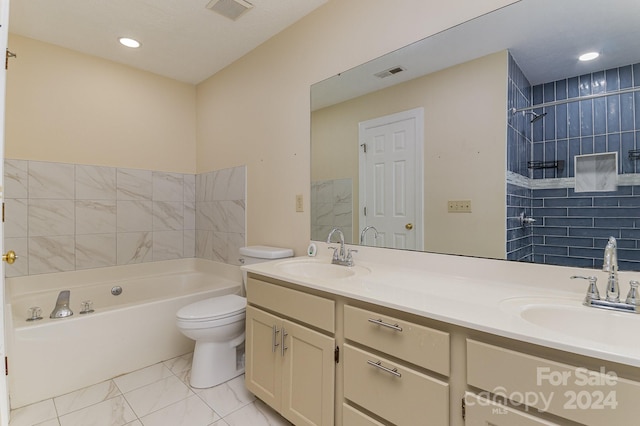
pixel 308 376
pixel 483 412
pixel 263 370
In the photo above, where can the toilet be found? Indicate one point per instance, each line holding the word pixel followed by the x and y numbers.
pixel 217 326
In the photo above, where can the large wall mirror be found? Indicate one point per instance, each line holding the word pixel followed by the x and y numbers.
pixel 467 142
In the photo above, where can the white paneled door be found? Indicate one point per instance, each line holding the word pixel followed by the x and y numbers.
pixel 391 179
pixel 4 35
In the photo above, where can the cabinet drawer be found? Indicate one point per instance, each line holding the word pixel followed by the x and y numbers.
pixel 304 307
pixel 353 417
pixel 414 343
pixel 589 397
pixel 405 398
pixel 482 412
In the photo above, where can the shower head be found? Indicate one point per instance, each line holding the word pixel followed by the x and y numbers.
pixel 535 115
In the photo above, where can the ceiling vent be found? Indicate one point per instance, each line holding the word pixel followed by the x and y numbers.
pixel 232 9
pixel 389 72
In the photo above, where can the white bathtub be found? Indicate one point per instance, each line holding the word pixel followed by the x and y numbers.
pixel 51 357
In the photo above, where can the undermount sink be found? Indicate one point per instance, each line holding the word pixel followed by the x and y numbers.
pixel 571 318
pixel 317 269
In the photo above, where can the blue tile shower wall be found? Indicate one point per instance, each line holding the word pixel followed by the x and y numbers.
pixel 518 126
pixel 587 126
pixel 519 239
pixel 572 228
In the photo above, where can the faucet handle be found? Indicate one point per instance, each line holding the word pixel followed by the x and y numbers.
pixel 633 298
pixel 335 252
pixel 350 256
pixel 592 291
pixel 35 313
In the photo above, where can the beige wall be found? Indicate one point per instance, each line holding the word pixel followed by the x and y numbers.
pixel 464 146
pixel 256 111
pixel 64 106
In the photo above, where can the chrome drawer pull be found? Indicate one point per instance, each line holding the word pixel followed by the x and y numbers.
pixel 274 340
pixel 383 368
pixel 282 346
pixel 385 324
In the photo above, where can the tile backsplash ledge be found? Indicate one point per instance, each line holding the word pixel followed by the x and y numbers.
pixel 64 217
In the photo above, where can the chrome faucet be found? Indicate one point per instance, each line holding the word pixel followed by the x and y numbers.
pixel 612 299
pixel 610 265
pixel 339 255
pixel 62 306
pixel 364 232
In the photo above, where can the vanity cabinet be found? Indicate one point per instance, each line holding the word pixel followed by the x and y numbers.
pixel 398 368
pixel 387 366
pixel 480 411
pixel 289 358
pixel 540 385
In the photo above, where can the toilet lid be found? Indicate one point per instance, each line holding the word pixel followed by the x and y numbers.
pixel 213 308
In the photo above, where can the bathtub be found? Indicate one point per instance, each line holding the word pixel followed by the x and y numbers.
pixel 51 357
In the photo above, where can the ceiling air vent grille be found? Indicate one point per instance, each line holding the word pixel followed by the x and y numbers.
pixel 389 72
pixel 231 9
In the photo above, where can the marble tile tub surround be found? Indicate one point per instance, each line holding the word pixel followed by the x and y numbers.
pixel 331 207
pixel 64 217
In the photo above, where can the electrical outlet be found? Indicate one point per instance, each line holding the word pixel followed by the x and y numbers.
pixel 459 206
pixel 299 207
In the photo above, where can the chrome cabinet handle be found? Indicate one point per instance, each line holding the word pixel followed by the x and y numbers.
pixel 378 364
pixel 282 346
pixel 385 324
pixel 274 340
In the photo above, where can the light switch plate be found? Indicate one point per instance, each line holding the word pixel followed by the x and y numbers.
pixel 299 206
pixel 459 206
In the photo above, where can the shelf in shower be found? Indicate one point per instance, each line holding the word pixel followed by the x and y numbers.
pixel 546 165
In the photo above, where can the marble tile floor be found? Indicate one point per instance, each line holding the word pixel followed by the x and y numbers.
pixel 158 395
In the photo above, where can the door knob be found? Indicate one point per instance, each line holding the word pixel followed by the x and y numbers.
pixel 10 257
pixel 409 226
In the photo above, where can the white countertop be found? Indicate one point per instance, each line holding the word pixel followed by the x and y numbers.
pixel 482 295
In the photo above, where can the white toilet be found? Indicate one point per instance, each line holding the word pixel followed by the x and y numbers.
pixel 217 326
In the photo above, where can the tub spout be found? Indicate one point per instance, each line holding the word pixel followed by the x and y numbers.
pixel 62 306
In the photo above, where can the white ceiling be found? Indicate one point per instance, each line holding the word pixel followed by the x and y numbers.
pixel 181 39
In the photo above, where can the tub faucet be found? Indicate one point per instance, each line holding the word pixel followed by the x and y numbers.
pixel 62 306
pixel 610 265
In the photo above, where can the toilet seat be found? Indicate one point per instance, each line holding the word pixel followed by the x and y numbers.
pixel 215 308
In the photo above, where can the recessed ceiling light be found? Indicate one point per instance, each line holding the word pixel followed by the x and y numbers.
pixel 129 42
pixel 590 56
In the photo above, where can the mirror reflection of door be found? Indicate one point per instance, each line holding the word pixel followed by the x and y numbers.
pixel 391 180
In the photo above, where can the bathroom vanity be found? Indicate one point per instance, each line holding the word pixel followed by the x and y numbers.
pixel 417 343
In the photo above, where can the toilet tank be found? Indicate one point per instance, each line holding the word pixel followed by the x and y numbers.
pixel 255 254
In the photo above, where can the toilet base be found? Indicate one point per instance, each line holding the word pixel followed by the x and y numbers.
pixel 216 362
